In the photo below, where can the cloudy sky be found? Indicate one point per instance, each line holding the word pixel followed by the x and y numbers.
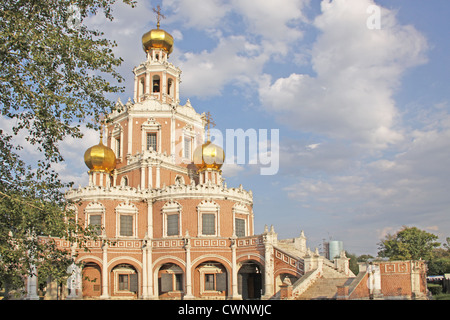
pixel 358 89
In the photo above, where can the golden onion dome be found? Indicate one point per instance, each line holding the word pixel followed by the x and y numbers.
pixel 157 39
pixel 100 158
pixel 209 156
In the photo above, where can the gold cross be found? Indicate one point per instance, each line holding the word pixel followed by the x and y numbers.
pixel 160 15
pixel 209 122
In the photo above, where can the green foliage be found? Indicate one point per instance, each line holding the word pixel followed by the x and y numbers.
pixel 440 262
pixel 52 79
pixel 435 289
pixel 408 244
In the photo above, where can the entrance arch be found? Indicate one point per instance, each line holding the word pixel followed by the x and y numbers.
pixel 91 280
pixel 211 279
pixel 250 280
pixel 124 281
pixel 170 281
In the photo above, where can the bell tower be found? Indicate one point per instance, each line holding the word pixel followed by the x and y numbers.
pixel 157 78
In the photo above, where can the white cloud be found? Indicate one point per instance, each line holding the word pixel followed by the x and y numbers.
pixel 277 24
pixel 199 14
pixel 357 73
pixel 234 60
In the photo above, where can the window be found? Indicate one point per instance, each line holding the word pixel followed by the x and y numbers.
pixel 215 281
pixel 208 224
pixel 151 141
pixel 209 282
pixel 123 282
pixel 156 84
pixel 117 147
pixel 126 225
pixel 240 227
pixel 178 282
pixel 142 87
pixel 96 222
pixel 128 282
pixel 170 87
pixel 187 147
pixel 173 225
pixel 171 278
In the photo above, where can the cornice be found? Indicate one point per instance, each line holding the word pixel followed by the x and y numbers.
pixel 171 192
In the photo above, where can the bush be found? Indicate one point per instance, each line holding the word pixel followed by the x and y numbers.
pixel 435 289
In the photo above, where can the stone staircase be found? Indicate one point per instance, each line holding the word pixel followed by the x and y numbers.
pixel 324 289
pixel 320 284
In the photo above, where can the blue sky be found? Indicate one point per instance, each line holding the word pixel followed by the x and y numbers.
pixel 363 114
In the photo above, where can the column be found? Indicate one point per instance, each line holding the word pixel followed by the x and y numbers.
pixel 143 166
pixel 268 272
pixel 158 176
pixel 234 271
pixel 135 88
pixel 105 286
pixel 269 239
pixel 188 269
pixel 130 134
pixel 149 218
pixel 151 293
pixel 144 271
pixel 150 176
pixel 147 83
pixel 172 135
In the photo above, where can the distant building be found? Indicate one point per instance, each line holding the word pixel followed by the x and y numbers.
pixel 333 249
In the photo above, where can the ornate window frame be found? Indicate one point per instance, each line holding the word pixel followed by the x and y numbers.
pixel 240 211
pixel 95 208
pixel 151 126
pixel 127 209
pixel 117 141
pixel 188 133
pixel 208 207
pixel 171 208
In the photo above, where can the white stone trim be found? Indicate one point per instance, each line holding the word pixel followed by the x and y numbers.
pixel 126 208
pixel 170 208
pixel 94 208
pixel 208 207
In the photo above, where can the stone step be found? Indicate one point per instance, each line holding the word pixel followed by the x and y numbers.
pixel 324 288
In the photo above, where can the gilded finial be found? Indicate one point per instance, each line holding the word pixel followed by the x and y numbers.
pixel 159 14
pixel 209 123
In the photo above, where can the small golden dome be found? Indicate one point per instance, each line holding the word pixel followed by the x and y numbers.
pixel 100 158
pixel 157 39
pixel 209 156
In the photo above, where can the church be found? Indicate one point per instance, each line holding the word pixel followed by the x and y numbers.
pixel 169 227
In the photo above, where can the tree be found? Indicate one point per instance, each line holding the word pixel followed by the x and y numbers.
pixel 53 78
pixel 440 262
pixel 408 244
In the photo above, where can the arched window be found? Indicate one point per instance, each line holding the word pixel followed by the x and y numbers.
pixel 156 84
pixel 170 87
pixel 141 87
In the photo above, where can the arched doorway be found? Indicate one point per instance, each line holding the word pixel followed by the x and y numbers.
pixel 250 280
pixel 92 280
pixel 170 281
pixel 211 280
pixel 125 283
